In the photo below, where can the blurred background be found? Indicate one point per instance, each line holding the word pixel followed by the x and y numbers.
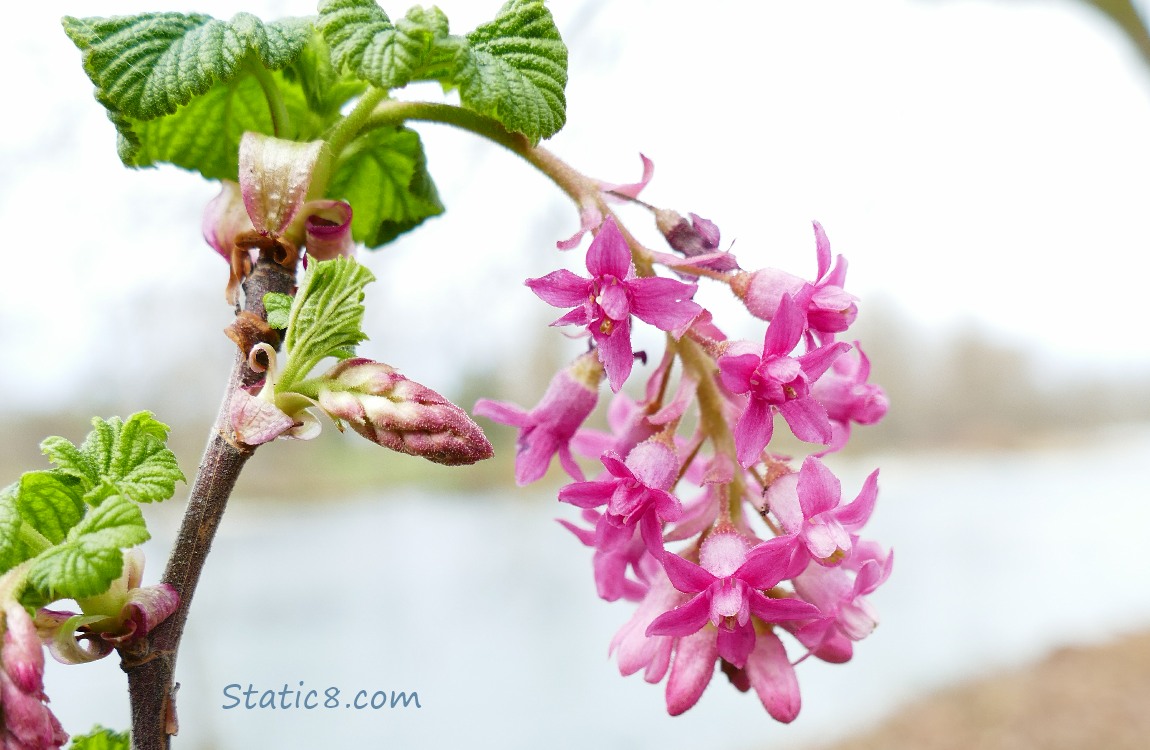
pixel 984 167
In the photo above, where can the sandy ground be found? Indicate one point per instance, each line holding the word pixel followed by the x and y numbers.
pixel 1081 698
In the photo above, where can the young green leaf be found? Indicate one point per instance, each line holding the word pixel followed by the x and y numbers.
pixel 118 457
pixel 13 551
pixel 148 65
pixel 325 89
pixel 383 174
pixel 365 41
pixel 155 66
pixel 51 502
pixel 204 135
pixel 326 317
pixel 101 739
pixel 90 557
pixel 515 70
pixel 278 308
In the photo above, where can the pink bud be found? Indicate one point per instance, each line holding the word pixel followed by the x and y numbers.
pixel 225 218
pixel 763 290
pixel 275 176
pixel 327 229
pixel 25 720
pixel 387 408
pixel 693 238
pixel 22 656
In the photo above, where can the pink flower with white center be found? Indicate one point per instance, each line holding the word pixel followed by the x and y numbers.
pixel 847 397
pixel 728 584
pixel 847 615
pixel 548 428
pixel 808 507
pixel 25 719
pixel 636 496
pixel 779 381
pixel 827 308
pixel 605 302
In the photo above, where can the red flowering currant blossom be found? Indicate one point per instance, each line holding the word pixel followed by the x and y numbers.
pixel 605 302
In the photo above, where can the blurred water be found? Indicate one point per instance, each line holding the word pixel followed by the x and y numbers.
pixel 485 607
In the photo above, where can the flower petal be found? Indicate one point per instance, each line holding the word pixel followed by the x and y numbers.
pixel 691 671
pixel 561 288
pixel 664 303
pixel 753 431
pixel 773 678
pixel 609 254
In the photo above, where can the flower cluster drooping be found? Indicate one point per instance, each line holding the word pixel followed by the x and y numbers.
pixel 729 549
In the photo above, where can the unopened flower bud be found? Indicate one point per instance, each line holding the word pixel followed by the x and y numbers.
pixel 387 408
pixel 693 238
pixel 25 720
pixel 763 290
pixel 327 229
pixel 130 611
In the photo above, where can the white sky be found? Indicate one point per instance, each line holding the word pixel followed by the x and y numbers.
pixel 982 162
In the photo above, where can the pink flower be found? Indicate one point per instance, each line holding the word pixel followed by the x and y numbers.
pixel 847 397
pixel 548 428
pixel 807 505
pixel 615 554
pixel 847 615
pixel 779 381
pixel 827 308
pixel 636 496
pixel 728 584
pixel 25 720
pixel 605 302
pixel 632 646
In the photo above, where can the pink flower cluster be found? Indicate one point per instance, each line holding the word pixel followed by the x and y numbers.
pixel 736 557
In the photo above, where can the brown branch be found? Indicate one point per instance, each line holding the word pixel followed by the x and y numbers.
pixel 151 668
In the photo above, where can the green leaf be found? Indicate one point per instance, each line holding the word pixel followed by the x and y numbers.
pixel 364 41
pixel 204 136
pixel 101 739
pixel 278 308
pixel 90 558
pixel 131 459
pixel 13 551
pixel 51 502
pixel 155 66
pixel 117 457
pixel 515 70
pixel 148 65
pixel 324 88
pixel 326 318
pixel 383 174
pixel 68 458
